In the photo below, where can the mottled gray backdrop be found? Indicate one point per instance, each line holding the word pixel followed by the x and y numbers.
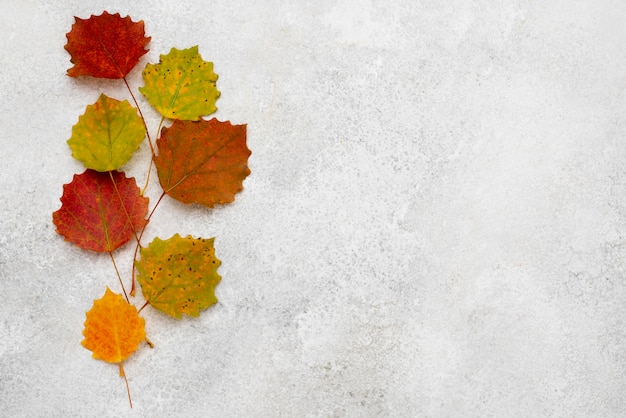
pixel 434 225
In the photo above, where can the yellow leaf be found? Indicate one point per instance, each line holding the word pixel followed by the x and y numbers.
pixel 113 329
pixel 107 134
pixel 178 275
pixel 182 85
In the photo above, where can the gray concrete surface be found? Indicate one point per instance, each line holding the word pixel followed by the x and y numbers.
pixel 434 224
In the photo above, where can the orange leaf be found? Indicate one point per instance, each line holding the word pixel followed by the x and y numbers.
pixel 203 161
pixel 100 211
pixel 105 46
pixel 113 329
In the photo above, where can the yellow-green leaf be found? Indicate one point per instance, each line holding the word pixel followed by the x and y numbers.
pixel 182 85
pixel 178 275
pixel 107 134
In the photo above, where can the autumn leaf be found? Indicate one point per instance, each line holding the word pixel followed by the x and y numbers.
pixel 105 46
pixel 100 211
pixel 113 329
pixel 181 85
pixel 107 134
pixel 202 162
pixel 178 275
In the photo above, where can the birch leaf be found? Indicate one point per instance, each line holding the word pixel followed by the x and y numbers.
pixel 202 162
pixel 105 46
pixel 113 328
pixel 100 211
pixel 178 275
pixel 107 134
pixel 181 85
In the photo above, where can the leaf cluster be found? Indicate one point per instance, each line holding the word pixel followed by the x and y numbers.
pixel 196 160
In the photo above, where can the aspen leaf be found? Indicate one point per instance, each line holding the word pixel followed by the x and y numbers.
pixel 107 134
pixel 113 328
pixel 105 46
pixel 178 275
pixel 181 85
pixel 202 162
pixel 100 211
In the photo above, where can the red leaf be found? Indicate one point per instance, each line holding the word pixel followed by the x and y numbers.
pixel 105 46
pixel 203 161
pixel 100 211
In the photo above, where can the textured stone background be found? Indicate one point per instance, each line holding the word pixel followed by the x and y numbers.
pixel 434 224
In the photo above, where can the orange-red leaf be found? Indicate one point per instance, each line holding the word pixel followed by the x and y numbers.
pixel 105 46
pixel 202 162
pixel 113 328
pixel 100 211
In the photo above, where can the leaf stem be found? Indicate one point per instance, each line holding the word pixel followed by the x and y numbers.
pixel 119 276
pixel 122 374
pixel 140 309
pixel 143 191
pixel 150 343
pixel 160 125
pixel 145 125
pixel 152 159
pixel 132 287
